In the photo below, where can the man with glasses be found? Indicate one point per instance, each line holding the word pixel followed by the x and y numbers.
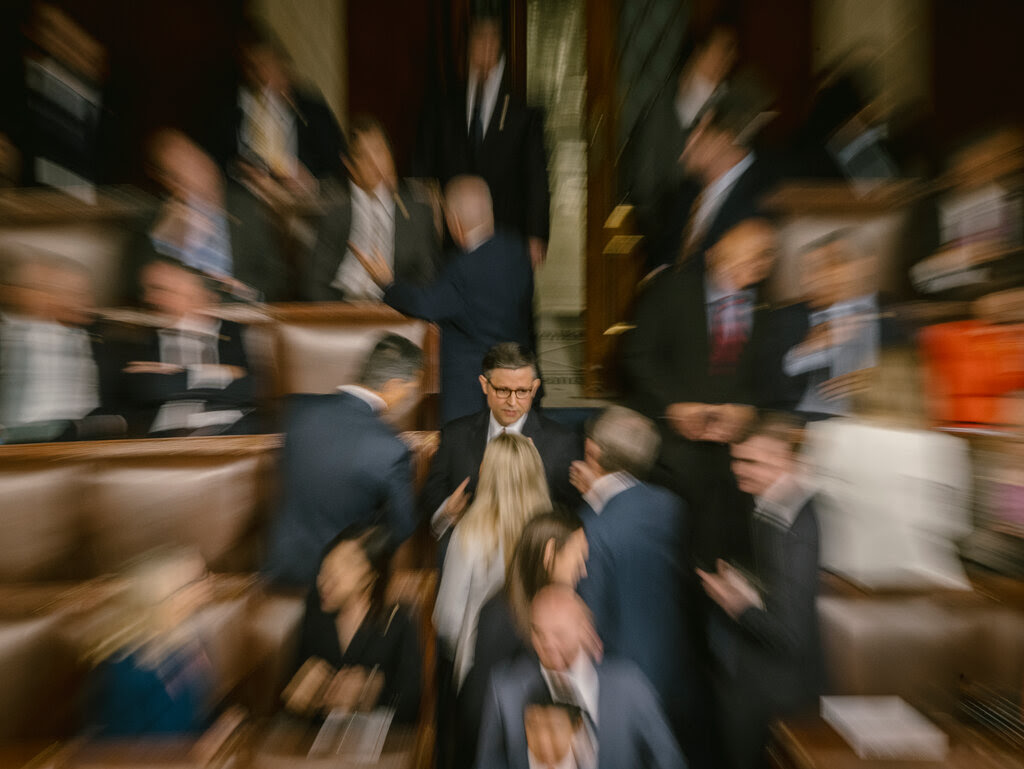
pixel 509 382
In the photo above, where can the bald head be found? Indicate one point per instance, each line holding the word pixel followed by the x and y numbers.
pixel 469 211
pixel 560 623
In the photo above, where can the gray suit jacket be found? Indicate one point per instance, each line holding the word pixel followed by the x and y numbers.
pixel 631 729
pixel 417 244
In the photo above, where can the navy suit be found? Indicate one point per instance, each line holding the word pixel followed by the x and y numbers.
pixel 462 446
pixel 341 465
pixel 638 586
pixel 482 298
pixel 631 728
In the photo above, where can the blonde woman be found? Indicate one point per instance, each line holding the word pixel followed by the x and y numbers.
pixel 512 490
pixel 151 675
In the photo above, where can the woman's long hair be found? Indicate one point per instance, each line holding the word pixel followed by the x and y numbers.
pixel 528 571
pixel 512 490
pixel 375 543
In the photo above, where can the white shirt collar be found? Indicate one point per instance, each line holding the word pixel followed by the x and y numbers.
pixel 714 195
pixel 783 500
pixel 374 401
pixel 380 192
pixel 494 429
pixel 605 488
pixel 583 676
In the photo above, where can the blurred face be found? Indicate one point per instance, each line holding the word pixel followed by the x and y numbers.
pixel 569 565
pixel 32 293
pixel 704 147
pixel 717 57
pixel 484 46
pixel 75 305
pixel 173 291
pixel 830 275
pixel 549 733
pixel 760 461
pixel 557 631
pixel 744 256
pixel 371 163
pixel 263 68
pixel 185 589
pixel 345 576
pixel 509 392
pixel 185 171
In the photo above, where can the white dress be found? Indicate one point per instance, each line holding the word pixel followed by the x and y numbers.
pixel 468 580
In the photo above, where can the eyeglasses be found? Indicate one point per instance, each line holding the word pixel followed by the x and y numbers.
pixel 521 393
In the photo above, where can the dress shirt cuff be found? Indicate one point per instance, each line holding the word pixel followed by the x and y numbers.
pixel 439 521
pixel 209 376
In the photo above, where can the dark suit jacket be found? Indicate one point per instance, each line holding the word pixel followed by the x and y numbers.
pixel 636 575
pixel 482 298
pixel 462 446
pixel 256 255
pixel 666 356
pixel 631 729
pixel 512 159
pixel 138 397
pixel 319 137
pixel 742 202
pixel 389 643
pixel 498 642
pixel 417 246
pixel 769 662
pixel 341 465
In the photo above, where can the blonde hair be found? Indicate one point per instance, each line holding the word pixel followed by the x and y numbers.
pixel 133 617
pixel 512 490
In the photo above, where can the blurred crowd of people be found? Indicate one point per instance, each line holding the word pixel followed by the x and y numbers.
pixel 642 595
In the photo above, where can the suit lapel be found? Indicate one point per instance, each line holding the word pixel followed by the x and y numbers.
pixel 401 236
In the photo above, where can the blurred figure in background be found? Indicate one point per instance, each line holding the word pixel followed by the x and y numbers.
pixel 66 135
pixel 210 225
pixel 845 325
pixel 343 465
pixel 764 638
pixel 658 179
pixel 978 221
pixel 551 549
pixel 377 214
pixel 357 651
pixel 624 723
pixel 483 297
pixel 189 374
pixel 695 363
pixel 285 138
pixel 639 585
pixel 485 130
pixel 731 178
pixel 151 674
pixel 49 380
pixel 551 729
pixel 894 495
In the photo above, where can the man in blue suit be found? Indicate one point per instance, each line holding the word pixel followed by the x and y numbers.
pixel 638 583
pixel 624 723
pixel 342 464
pixel 483 297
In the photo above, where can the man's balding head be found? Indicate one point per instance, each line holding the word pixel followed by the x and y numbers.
pixel 560 623
pixel 469 211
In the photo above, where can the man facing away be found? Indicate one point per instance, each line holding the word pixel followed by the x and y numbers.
pixel 343 465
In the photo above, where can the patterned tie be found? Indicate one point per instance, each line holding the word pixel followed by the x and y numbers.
pixel 728 334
